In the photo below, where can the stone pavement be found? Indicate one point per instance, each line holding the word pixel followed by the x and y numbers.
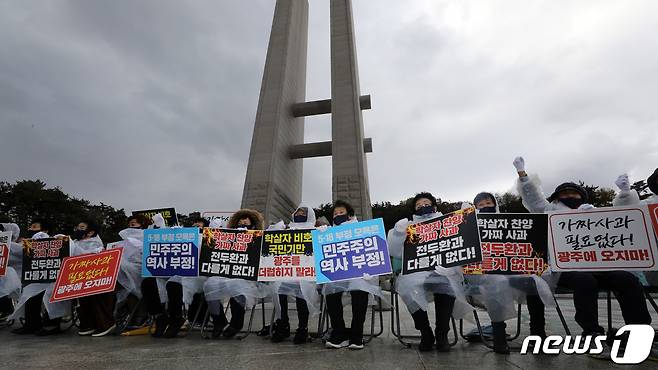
pixel 68 351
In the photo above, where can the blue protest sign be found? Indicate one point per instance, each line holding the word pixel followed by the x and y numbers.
pixel 350 251
pixel 170 252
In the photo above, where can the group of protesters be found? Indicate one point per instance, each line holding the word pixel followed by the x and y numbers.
pixel 451 291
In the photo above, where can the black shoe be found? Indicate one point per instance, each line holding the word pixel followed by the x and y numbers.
pixel 264 332
pixel 539 332
pixel 230 332
pixel 161 322
pixel 301 336
pixel 336 341
pixel 25 330
pixel 281 331
pixel 52 330
pixel 356 343
pixel 174 326
pixel 426 340
pixel 219 323
pixel 500 338
pixel 442 344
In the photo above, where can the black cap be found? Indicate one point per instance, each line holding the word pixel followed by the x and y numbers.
pixel 569 186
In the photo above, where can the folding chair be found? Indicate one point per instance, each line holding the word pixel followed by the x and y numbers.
pixel 483 339
pixel 396 329
pixel 324 323
pixel 244 334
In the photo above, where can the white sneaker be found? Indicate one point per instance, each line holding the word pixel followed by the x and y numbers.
pixel 84 333
pixel 104 333
pixel 342 344
pixel 355 346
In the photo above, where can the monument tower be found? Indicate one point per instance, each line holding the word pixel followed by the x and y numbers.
pixel 273 184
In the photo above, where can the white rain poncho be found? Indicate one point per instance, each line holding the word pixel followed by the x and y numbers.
pixel 56 309
pixel 307 290
pixel 217 289
pixel 535 201
pixel 366 284
pixel 417 289
pixel 130 271
pixel 87 246
pixel 630 197
pixel 501 293
pixel 10 284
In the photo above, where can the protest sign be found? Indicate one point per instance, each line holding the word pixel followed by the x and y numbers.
pixel 449 240
pixel 5 245
pixel 230 253
pixel 169 215
pixel 86 275
pixel 287 255
pixel 653 211
pixel 602 239
pixel 512 244
pixel 171 252
pixel 217 215
pixel 42 259
pixel 350 251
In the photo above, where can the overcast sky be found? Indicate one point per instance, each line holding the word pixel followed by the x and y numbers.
pixel 144 104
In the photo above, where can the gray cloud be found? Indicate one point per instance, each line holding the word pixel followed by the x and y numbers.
pixel 151 103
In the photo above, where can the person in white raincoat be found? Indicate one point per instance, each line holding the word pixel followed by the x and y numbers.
pixel 164 292
pixel 444 285
pixel 36 295
pixel 501 293
pixel 129 280
pixel 10 283
pixel 242 294
pixel 96 312
pixel 585 285
pixel 307 299
pixel 628 197
pixel 359 289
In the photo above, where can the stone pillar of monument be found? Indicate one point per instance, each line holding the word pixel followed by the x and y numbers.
pixel 273 184
pixel 350 171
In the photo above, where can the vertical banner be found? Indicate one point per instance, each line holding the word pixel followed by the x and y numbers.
pixel 512 244
pixel 5 245
pixel 171 252
pixel 169 215
pixel 287 255
pixel 231 253
pixel 350 251
pixel 42 259
pixel 86 275
pixel 449 240
pixel 602 239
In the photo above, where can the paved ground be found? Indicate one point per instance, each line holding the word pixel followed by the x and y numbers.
pixel 69 351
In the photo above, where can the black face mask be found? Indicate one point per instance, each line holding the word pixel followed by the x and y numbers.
pixel 135 227
pixel 424 210
pixel 299 218
pixel 78 234
pixel 572 203
pixel 488 209
pixel 31 233
pixel 340 219
pixel 244 226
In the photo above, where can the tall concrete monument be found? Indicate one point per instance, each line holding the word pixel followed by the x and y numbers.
pixel 273 184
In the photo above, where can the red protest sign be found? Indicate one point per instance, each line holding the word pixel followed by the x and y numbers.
pixel 86 275
pixel 653 210
pixel 5 240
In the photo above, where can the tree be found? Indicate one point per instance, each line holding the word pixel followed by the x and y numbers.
pixel 29 200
